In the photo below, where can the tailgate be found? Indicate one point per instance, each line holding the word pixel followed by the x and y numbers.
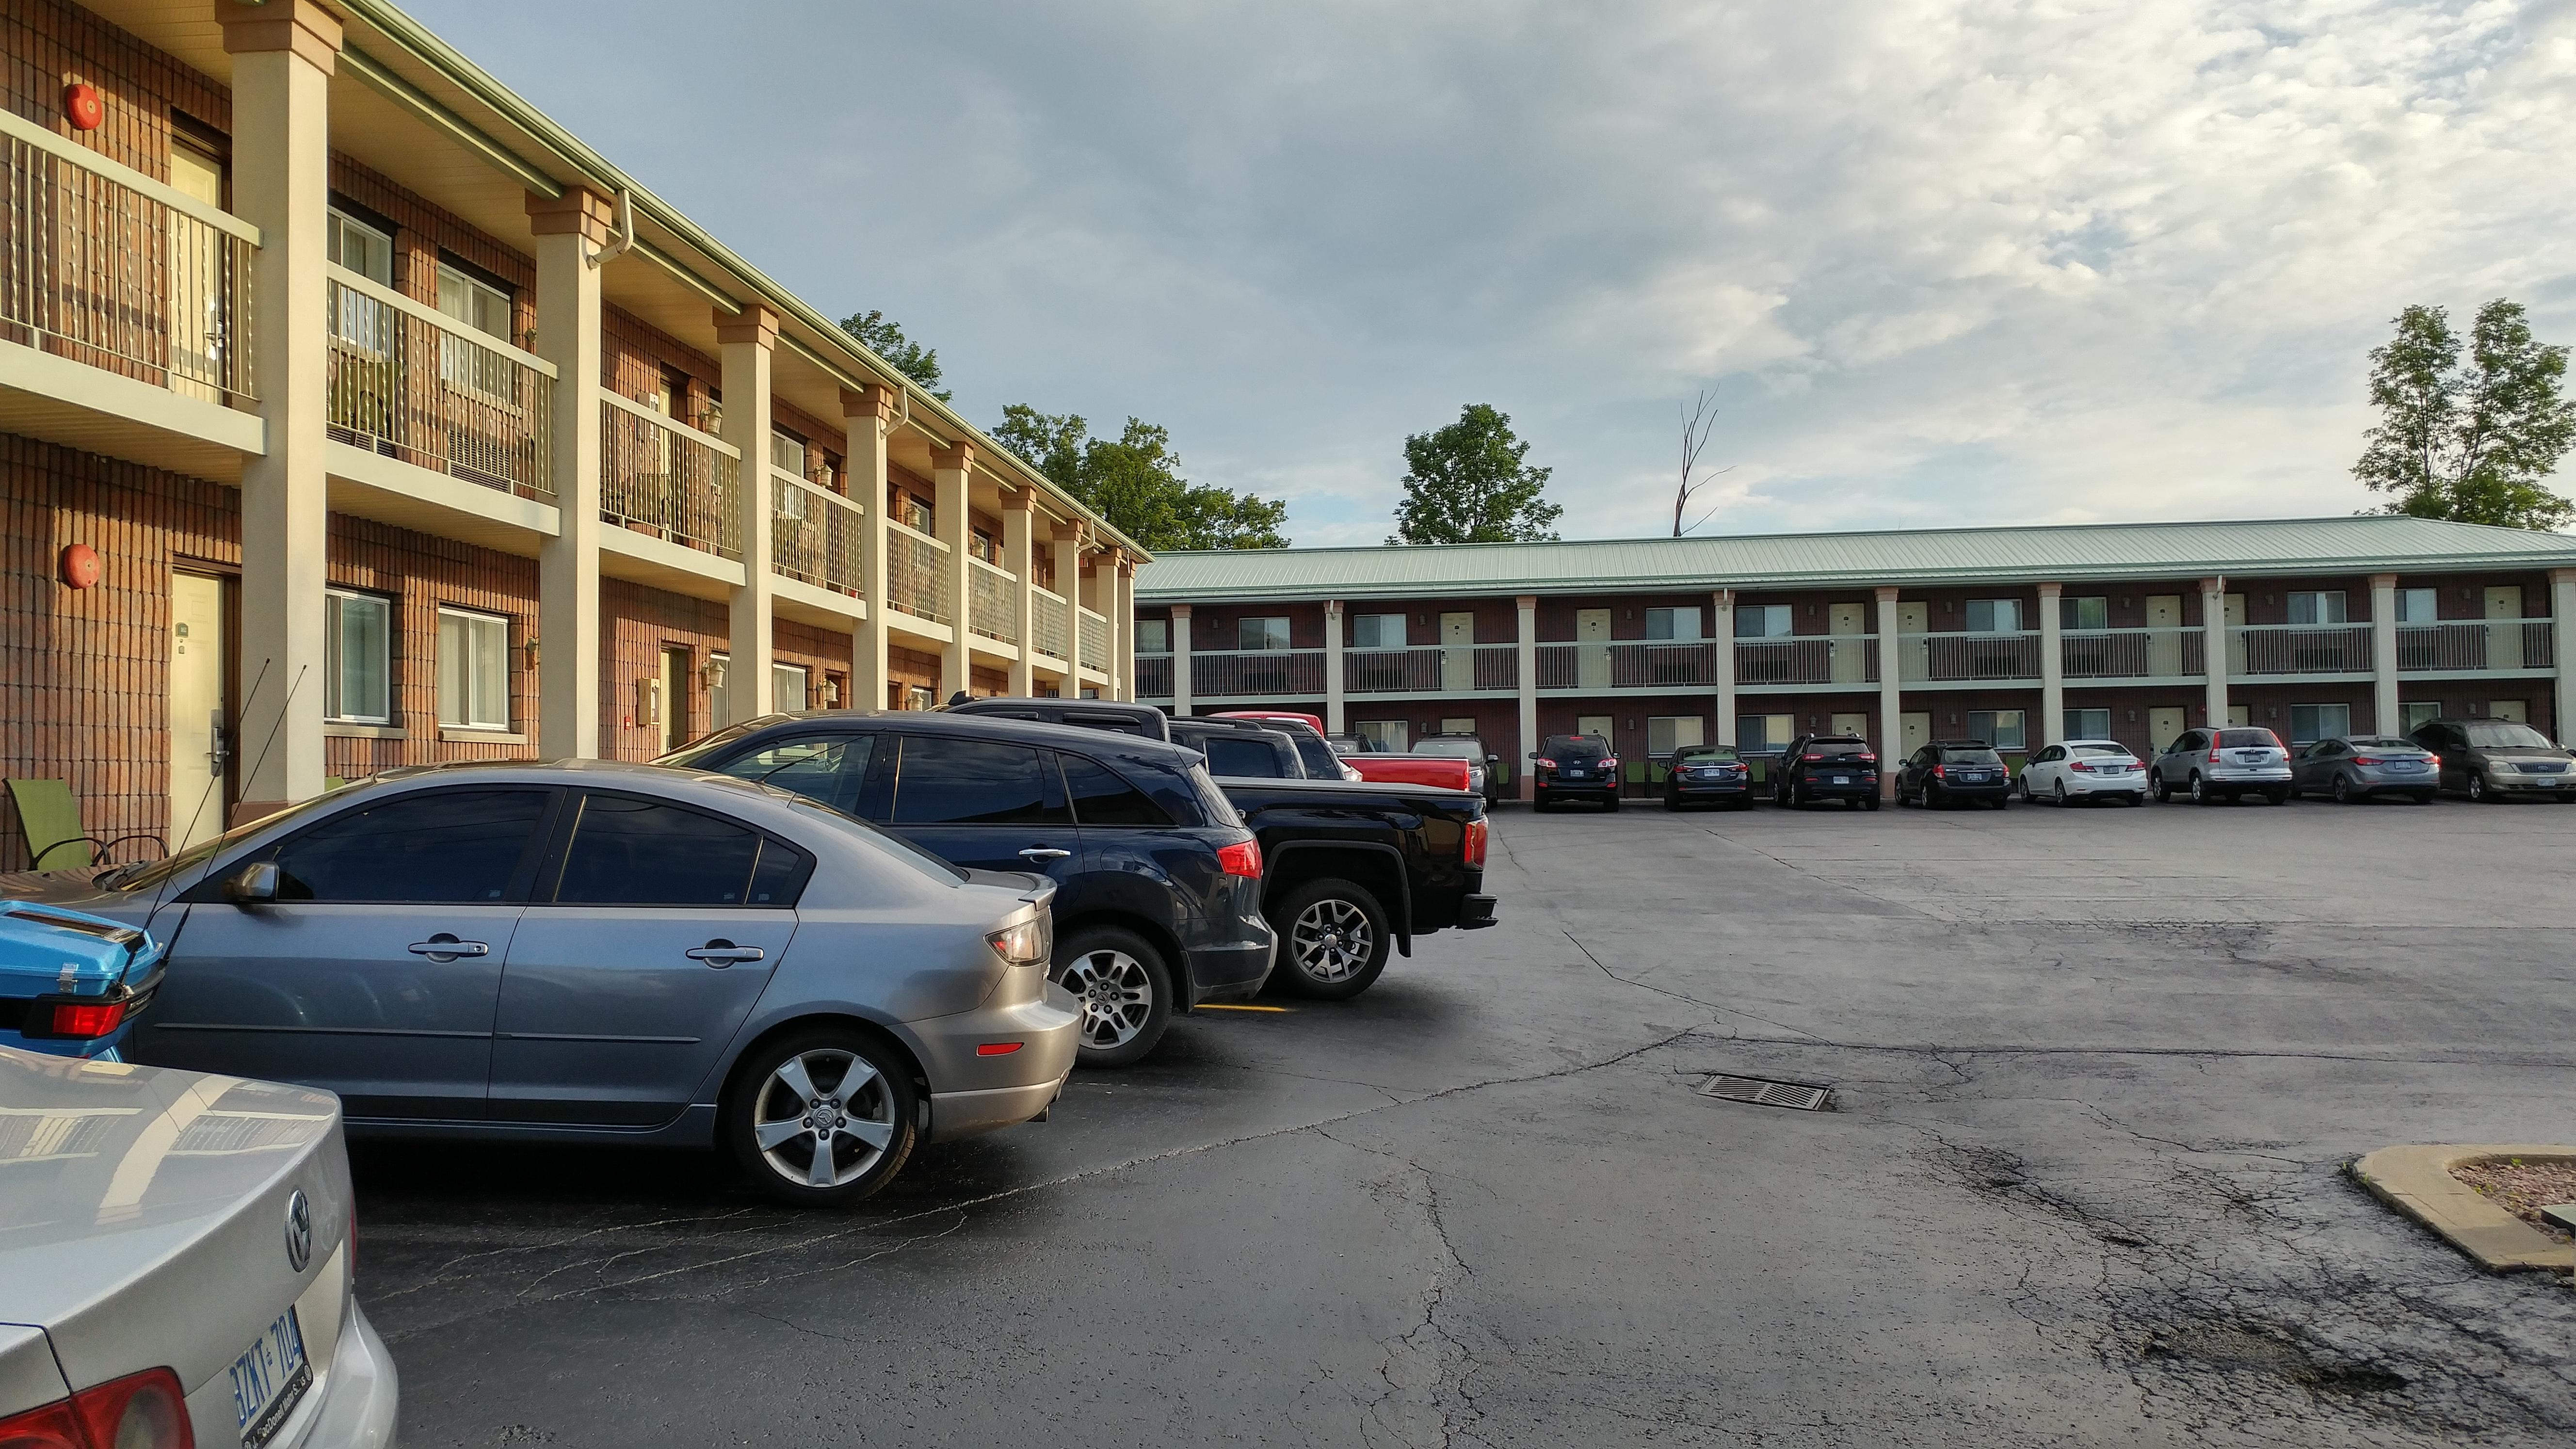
pixel 1410 770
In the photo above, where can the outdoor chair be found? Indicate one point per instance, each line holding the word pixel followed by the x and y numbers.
pixel 51 821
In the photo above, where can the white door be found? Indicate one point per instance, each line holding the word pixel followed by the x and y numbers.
pixel 1850 661
pixel 196 277
pixel 2235 621
pixel 1597 724
pixel 2504 628
pixel 1852 724
pixel 2164 726
pixel 1457 653
pixel 2511 709
pixel 1914 731
pixel 2164 647
pixel 1592 656
pixel 200 719
pixel 2240 715
pixel 1915 620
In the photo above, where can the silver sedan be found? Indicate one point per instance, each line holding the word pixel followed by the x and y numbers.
pixel 592 951
pixel 179 1265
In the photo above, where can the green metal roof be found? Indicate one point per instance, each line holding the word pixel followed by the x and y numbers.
pixel 2365 543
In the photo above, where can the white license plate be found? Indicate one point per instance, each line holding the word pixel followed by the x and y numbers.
pixel 269 1379
pixel 1842 779
pixel 2403 766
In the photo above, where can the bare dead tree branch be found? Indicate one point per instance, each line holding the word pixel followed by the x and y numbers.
pixel 1696 426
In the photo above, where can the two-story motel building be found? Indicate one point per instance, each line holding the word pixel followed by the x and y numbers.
pixel 354 414
pixel 2018 636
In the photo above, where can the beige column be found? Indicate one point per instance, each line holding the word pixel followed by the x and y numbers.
pixel 1721 629
pixel 2562 643
pixel 570 230
pixel 1016 557
pixel 1334 708
pixel 2214 649
pixel 2383 654
pixel 867 416
pixel 1180 659
pixel 1122 627
pixel 951 466
pixel 745 340
pixel 1525 669
pixel 1068 582
pixel 283 54
pixel 2052 666
pixel 1891 693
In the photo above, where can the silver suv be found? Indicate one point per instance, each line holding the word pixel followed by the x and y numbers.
pixel 2211 765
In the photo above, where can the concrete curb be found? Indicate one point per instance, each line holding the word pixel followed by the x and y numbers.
pixel 2417 1181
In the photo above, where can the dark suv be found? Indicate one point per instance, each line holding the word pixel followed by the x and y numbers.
pixel 1955 772
pixel 1236 750
pixel 1574 767
pixel 1142 720
pixel 1158 883
pixel 1827 767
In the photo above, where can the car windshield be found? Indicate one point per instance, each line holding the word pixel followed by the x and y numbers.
pixel 1970 756
pixel 152 874
pixel 2097 749
pixel 1451 749
pixel 2500 734
pixel 2248 740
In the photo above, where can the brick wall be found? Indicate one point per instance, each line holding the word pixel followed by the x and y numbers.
pixel 48 44
pixel 419 573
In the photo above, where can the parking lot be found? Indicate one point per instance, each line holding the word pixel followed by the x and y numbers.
pixel 2095 1073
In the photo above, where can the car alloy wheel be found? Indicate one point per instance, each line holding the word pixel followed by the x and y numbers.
pixel 2059 792
pixel 821 1118
pixel 2342 791
pixel 2162 791
pixel 1116 997
pixel 2477 788
pixel 1333 939
pixel 2200 793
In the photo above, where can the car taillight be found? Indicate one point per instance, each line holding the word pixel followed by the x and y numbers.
pixel 2079 766
pixel 82 1021
pixel 1242 858
pixel 1940 772
pixel 1864 759
pixel 1811 758
pixel 1476 845
pixel 1545 763
pixel 2367 760
pixel 1024 944
pixel 2435 761
pixel 139 1411
pixel 2213 754
pixel 1610 762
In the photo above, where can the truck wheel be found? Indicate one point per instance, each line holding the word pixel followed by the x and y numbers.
pixel 820 1118
pixel 1124 988
pixel 1333 939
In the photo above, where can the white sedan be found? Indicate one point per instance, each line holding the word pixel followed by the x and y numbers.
pixel 2084 770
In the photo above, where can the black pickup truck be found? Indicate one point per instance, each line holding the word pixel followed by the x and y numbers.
pixel 1351 869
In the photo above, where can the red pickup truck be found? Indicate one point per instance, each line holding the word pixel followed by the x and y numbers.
pixel 1384 769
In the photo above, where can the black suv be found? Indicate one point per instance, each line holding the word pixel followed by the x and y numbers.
pixel 1158 883
pixel 1142 720
pixel 1947 772
pixel 1574 767
pixel 1236 750
pixel 1827 767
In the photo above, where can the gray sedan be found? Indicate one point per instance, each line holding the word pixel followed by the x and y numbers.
pixel 178 1264
pixel 612 953
pixel 2353 768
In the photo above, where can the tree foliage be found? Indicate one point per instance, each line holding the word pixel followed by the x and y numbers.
pixel 1135 482
pixel 884 338
pixel 1471 482
pixel 2469 440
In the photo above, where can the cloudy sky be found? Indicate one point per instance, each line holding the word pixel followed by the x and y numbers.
pixel 1941 262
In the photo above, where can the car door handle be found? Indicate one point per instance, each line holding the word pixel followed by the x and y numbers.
pixel 1043 852
pixel 720 954
pixel 444 947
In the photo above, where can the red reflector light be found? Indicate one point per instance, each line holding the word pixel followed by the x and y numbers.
pixel 1475 845
pixel 996 1048
pixel 139 1411
pixel 1242 858
pixel 1811 757
pixel 87 1020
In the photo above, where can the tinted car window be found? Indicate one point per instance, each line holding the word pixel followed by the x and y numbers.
pixel 456 847
pixel 1575 747
pixel 1245 755
pixel 2248 740
pixel 970 782
pixel 1101 797
pixel 1318 757
pixel 825 767
pixel 2496 734
pixel 1970 757
pixel 2096 750
pixel 1836 748
pixel 2382 742
pixel 1452 749
pixel 628 851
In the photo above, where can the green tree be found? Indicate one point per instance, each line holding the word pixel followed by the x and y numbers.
pixel 1471 482
pixel 2469 441
pixel 886 340
pixel 1135 482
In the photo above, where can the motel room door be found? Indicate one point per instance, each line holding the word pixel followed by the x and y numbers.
pixel 1849 662
pixel 2504 627
pixel 1458 653
pixel 1592 651
pixel 200 703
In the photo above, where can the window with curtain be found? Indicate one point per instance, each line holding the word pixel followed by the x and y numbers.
pixel 480 308
pixel 1762 621
pixel 2084 613
pixel 2317 606
pixel 1674 624
pixel 2000 728
pixel 2088 724
pixel 787 686
pixel 1994 616
pixel 2418 606
pixel 1262 634
pixel 473 669
pixel 2312 722
pixel 1757 732
pixel 1377 631
pixel 1153 636
pixel 358 654
pixel 363 249
pixel 1667 733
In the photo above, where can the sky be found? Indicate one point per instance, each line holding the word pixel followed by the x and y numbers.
pixel 1940 262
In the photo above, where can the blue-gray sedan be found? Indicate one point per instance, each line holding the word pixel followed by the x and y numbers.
pixel 612 953
pixel 2353 768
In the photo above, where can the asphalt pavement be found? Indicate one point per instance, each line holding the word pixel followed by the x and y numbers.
pixel 2095 1075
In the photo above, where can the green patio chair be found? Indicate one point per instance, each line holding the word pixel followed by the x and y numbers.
pixel 51 821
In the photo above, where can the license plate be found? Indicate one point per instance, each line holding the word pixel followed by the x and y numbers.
pixel 1972 778
pixel 2406 766
pixel 2252 757
pixel 269 1379
pixel 1842 779
pixel 1574 774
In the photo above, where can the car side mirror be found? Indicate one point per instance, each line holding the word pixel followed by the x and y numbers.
pixel 254 884
pixel 1533 754
pixel 1493 759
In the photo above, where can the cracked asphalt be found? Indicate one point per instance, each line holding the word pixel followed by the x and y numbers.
pixel 2096 1075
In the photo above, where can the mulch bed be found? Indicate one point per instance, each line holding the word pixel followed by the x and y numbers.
pixel 2524 1188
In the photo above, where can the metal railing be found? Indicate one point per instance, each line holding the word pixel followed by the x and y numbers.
pixel 1258 673
pixel 112 268
pixel 1095 640
pixel 992 601
pixel 1432 669
pixel 410 382
pixel 1824 659
pixel 2131 653
pixel 815 534
pixel 1958 657
pixel 1153 676
pixel 660 476
pixel 2298 649
pixel 1050 623
pixel 917 574
pixel 2476 646
pixel 1627 665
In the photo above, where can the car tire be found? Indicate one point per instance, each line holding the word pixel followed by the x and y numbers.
pixel 2025 791
pixel 1931 797
pixel 1108 968
pixel 1611 804
pixel 2342 792
pixel 1672 804
pixel 1333 939
pixel 2003 802
pixel 2479 794
pixel 2060 793
pixel 759 1106
pixel 2424 797
pixel 2201 794
pixel 2278 796
pixel 2163 792
pixel 1872 802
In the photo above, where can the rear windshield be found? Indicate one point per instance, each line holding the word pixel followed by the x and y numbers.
pixel 1451 749
pixel 1702 755
pixel 1837 748
pixel 2497 734
pixel 2097 750
pixel 1242 756
pixel 2383 742
pixel 2248 740
pixel 1318 757
pixel 1970 757
pixel 1212 802
pixel 1576 747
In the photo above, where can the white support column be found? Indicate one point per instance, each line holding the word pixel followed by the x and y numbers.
pixel 867 419
pixel 1122 628
pixel 283 55
pixel 1017 557
pixel 1180 659
pixel 1068 582
pixel 1334 705
pixel 2383 654
pixel 950 468
pixel 2215 648
pixel 745 340
pixel 2052 666
pixel 2562 643
pixel 1526 672
pixel 1721 629
pixel 1891 693
pixel 570 229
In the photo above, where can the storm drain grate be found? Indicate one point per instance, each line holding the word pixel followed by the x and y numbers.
pixel 1797 1096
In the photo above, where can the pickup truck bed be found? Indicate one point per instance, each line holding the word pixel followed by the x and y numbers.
pixel 1380 769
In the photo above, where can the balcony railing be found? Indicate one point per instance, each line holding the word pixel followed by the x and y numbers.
pixel 1627 665
pixel 123 272
pixel 1153 676
pixel 1827 659
pixel 659 476
pixel 1095 641
pixel 917 574
pixel 2131 653
pixel 2255 649
pixel 815 534
pixel 1050 625
pixel 1960 657
pixel 410 382
pixel 1432 669
pixel 1261 673
pixel 992 601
